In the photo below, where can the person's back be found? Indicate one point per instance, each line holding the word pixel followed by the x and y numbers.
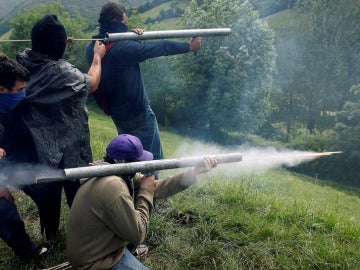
pixel 110 212
pixel 13 79
pixel 53 118
pixel 122 82
pixel 56 98
pixel 93 211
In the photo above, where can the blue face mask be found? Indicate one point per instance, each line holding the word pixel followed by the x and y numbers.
pixel 8 101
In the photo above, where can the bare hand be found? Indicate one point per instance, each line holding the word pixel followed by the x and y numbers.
pixel 5 193
pixel 69 40
pixel 99 49
pixel 195 43
pixel 138 31
pixel 148 182
pixel 2 153
pixel 209 163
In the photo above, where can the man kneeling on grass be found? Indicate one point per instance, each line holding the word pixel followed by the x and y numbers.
pixel 109 213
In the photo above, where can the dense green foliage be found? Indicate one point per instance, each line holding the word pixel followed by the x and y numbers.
pixel 228 79
pixel 89 9
pixel 318 64
pixel 23 23
pixel 268 7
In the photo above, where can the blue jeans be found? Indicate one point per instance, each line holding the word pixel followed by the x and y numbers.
pixel 129 262
pixel 12 230
pixel 145 127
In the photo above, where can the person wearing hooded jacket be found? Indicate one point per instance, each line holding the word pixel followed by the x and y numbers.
pixel 13 79
pixel 51 123
pixel 110 212
pixel 127 101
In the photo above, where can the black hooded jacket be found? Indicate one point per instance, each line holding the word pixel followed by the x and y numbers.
pixel 51 125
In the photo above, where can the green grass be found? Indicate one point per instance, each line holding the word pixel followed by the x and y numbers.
pixel 272 220
pixel 154 12
pixel 286 19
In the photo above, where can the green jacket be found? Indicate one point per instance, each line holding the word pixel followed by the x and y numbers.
pixel 105 217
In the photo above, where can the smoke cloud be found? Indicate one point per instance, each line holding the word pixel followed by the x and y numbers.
pixel 254 159
pixel 19 174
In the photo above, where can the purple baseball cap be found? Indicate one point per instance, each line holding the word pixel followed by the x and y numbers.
pixel 127 147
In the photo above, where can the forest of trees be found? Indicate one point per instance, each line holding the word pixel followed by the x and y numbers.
pixel 294 83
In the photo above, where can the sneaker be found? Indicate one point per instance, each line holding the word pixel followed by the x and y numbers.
pixel 42 251
pixel 140 251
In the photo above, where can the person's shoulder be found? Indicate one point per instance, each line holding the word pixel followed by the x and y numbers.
pixel 110 186
pixel 68 70
pixel 63 64
pixel 126 44
pixel 112 182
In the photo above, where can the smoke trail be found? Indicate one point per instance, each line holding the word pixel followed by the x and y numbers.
pixel 255 159
pixel 19 174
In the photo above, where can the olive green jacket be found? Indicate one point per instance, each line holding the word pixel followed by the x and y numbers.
pixel 105 217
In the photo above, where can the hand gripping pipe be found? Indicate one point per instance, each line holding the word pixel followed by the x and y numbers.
pixel 133 167
pixel 109 37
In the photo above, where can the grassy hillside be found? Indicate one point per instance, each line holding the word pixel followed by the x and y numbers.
pixel 272 220
pixel 88 9
pixel 156 10
pixel 283 21
pixel 7 6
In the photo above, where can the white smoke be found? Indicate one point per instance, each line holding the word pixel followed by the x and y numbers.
pixel 20 174
pixel 254 159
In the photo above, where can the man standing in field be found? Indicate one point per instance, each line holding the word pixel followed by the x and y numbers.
pixel 121 80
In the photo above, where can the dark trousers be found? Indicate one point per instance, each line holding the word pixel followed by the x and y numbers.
pixel 12 230
pixel 47 197
pixel 146 128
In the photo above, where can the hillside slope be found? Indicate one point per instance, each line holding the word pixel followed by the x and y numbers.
pixel 8 6
pixel 266 220
pixel 88 9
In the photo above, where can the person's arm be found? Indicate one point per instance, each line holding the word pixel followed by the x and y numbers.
pixel 194 43
pixel 130 222
pixel 179 182
pixel 95 68
pixel 2 152
pixel 138 52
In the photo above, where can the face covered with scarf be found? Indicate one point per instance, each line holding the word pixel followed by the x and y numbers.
pixel 10 98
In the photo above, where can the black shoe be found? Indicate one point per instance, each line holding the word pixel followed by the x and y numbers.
pixel 41 252
pixel 36 255
pixel 140 251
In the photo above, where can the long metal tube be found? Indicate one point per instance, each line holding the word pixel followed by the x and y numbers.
pixel 133 167
pixel 109 37
pixel 164 34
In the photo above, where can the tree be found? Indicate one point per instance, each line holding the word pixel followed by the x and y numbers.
pixel 24 21
pixel 286 97
pixel 331 57
pixel 348 128
pixel 225 88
